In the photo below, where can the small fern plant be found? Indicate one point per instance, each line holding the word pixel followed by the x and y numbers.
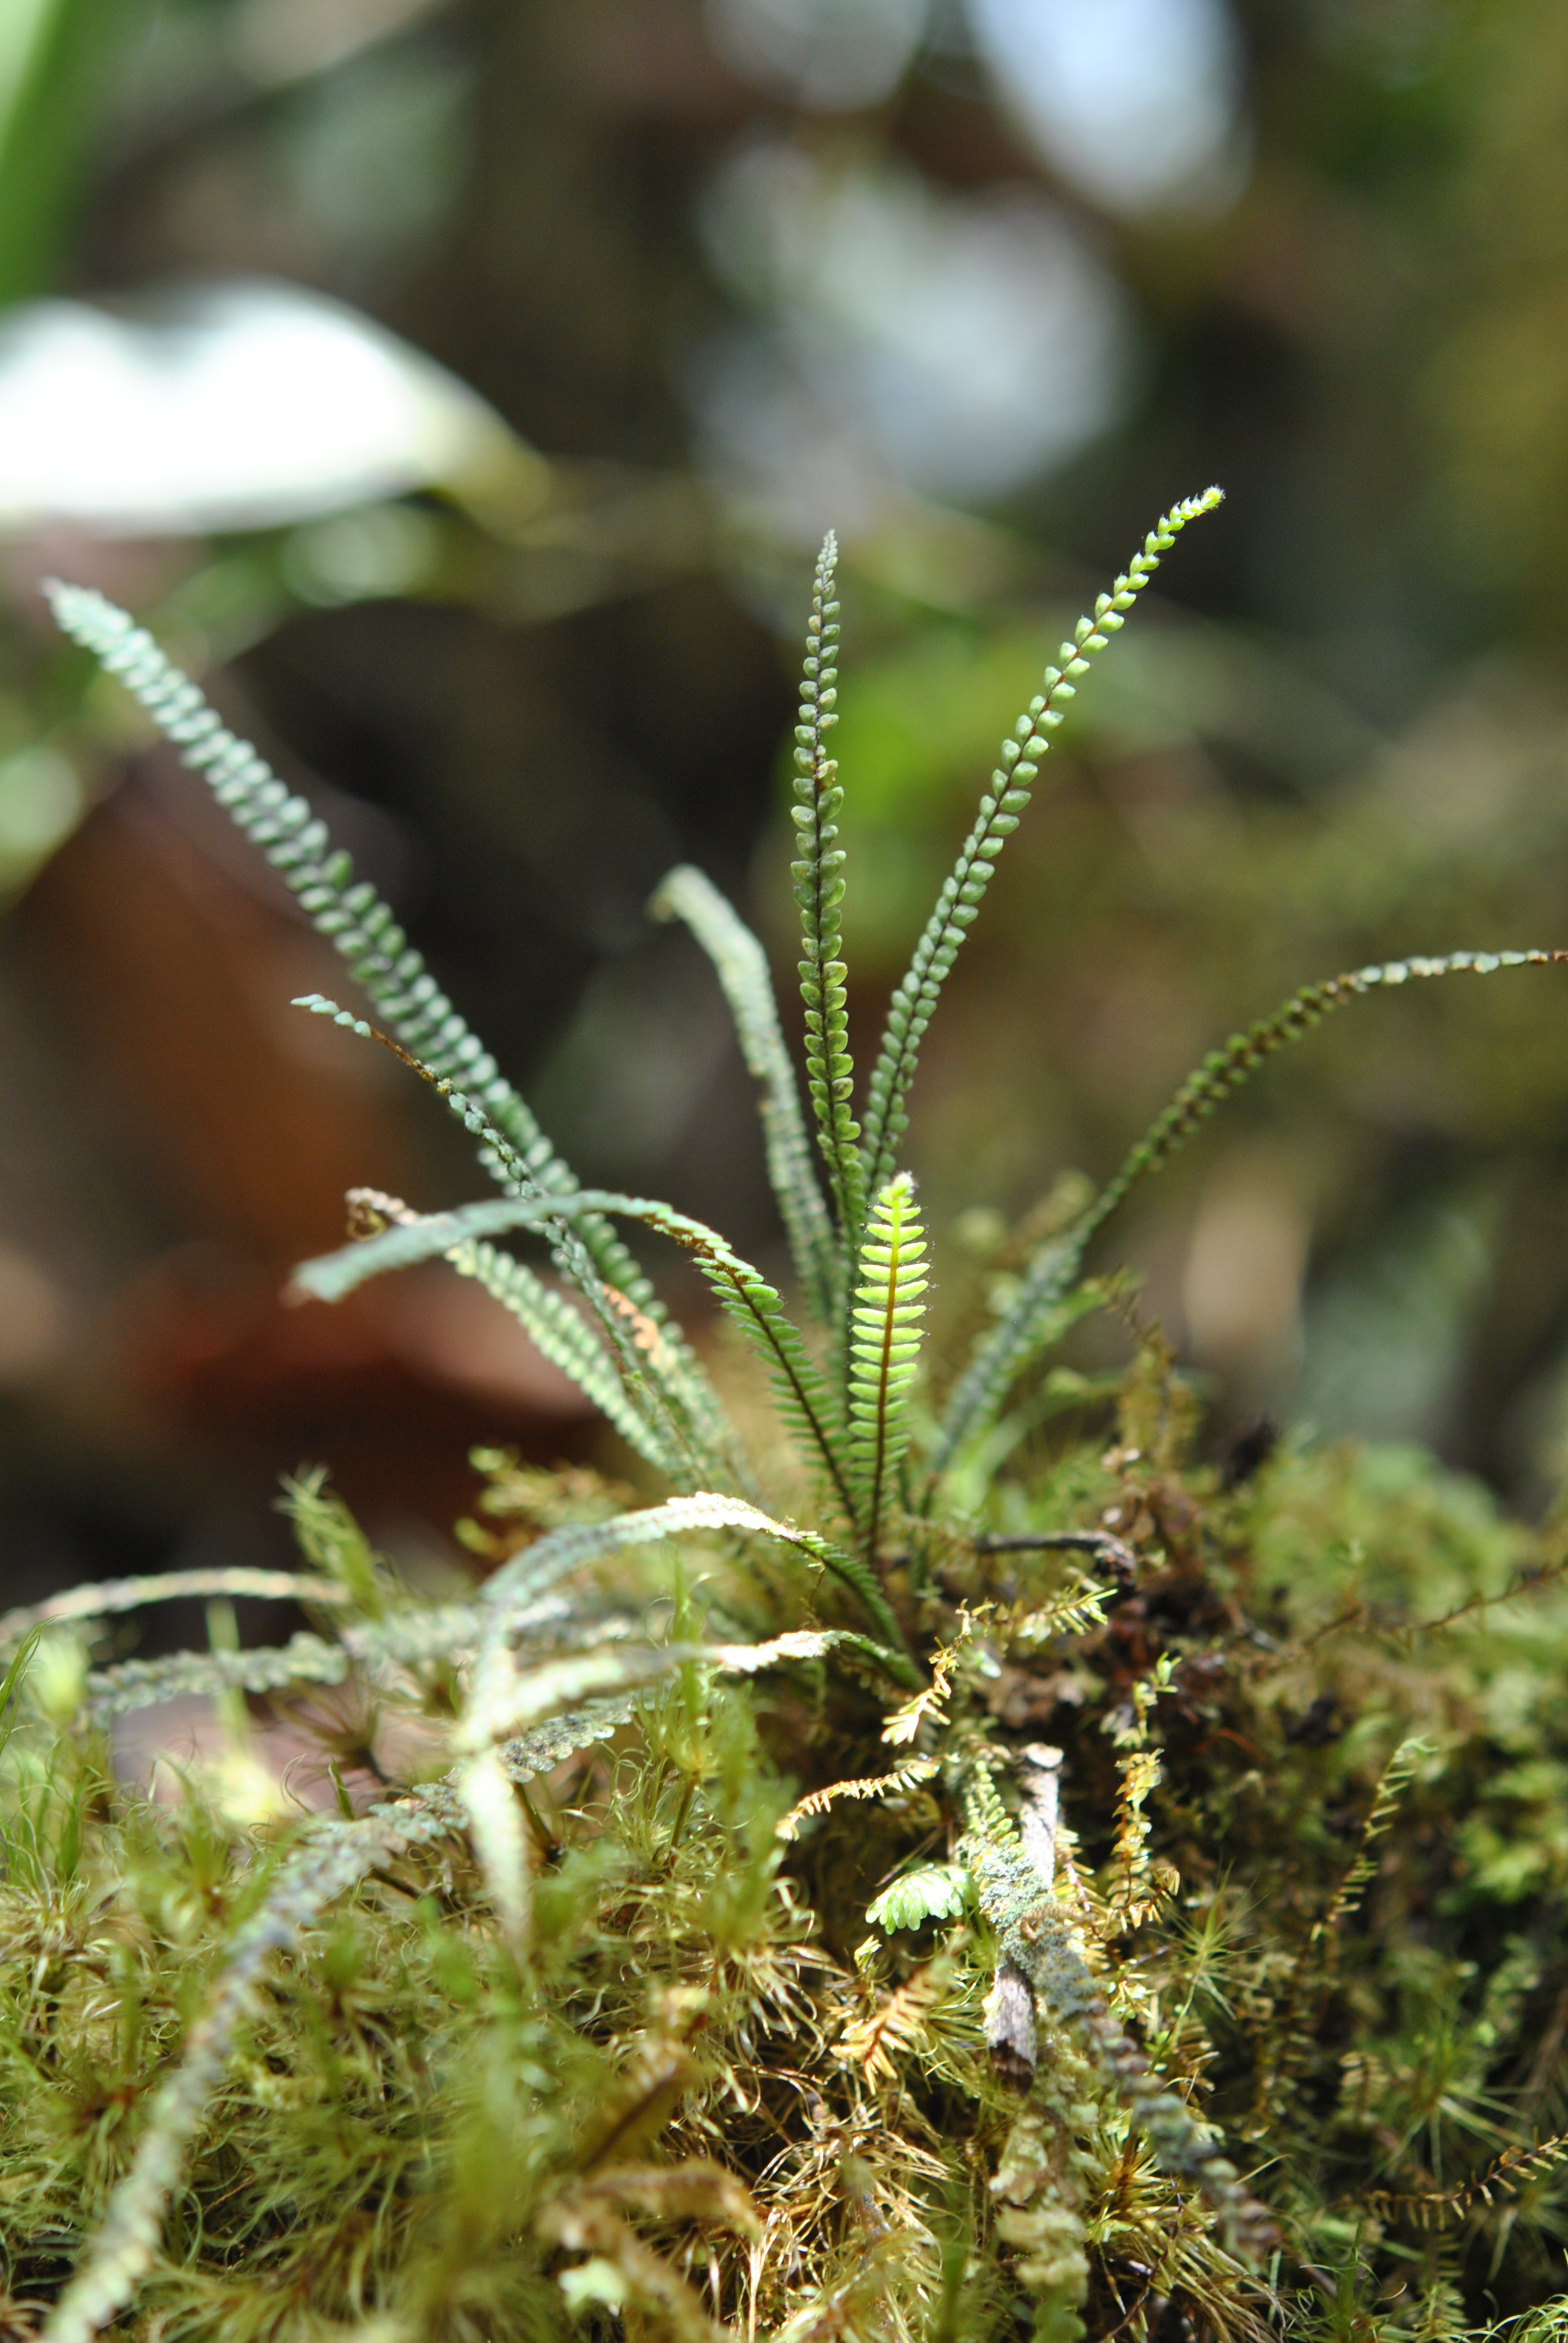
pixel 623 2014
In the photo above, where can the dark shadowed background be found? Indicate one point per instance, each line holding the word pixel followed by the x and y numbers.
pixel 984 284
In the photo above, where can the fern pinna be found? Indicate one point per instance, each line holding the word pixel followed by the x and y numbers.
pixel 659 1967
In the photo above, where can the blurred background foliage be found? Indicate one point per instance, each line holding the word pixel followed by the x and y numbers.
pixel 461 388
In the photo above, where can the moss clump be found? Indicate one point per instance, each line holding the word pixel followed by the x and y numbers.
pixel 1310 1850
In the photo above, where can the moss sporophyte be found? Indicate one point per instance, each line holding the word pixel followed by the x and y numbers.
pixel 948 1865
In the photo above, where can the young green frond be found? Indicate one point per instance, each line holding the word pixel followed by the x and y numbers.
pixel 1011 785
pixel 1036 1316
pixel 742 968
pixel 884 1353
pixel 934 1891
pixel 350 913
pixel 820 893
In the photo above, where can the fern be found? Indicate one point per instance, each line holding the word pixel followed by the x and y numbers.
pixel 819 893
pixel 350 913
pixel 558 1331
pixel 936 1891
pixel 521 1582
pixel 682 1426
pixel 483 2058
pixel 805 1398
pixel 1041 1307
pixel 742 968
pixel 335 1858
pixel 957 905
pixel 884 1353
pixel 114 1595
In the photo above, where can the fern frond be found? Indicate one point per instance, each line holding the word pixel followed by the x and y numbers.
pixel 556 1331
pixel 819 881
pixel 521 1582
pixel 936 1891
pixel 505 1703
pixel 358 925
pixel 1392 1782
pixel 884 1352
pixel 1011 786
pixel 684 1428
pixel 1226 1070
pixel 1032 1321
pixel 805 1400
pixel 741 965
pixel 143 1684
pixel 116 1594
pixel 1037 1938
pixel 907 1776
pixel 438 1632
pixel 897 2027
pixel 549 1745
pixel 336 1856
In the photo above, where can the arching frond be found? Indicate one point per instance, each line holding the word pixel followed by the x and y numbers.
pixel 112 1595
pixel 742 968
pixel 818 873
pixel 523 1580
pixel 684 1429
pixel 348 912
pixel 804 1397
pixel 1011 785
pixel 1032 1321
pixel 884 1353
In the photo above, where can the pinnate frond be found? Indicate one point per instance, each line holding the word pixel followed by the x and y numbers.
pixel 348 912
pixel 818 873
pixel 907 1776
pixel 521 1582
pixel 1046 1304
pixel 936 1891
pixel 1011 786
pixel 805 1400
pixel 884 1353
pixel 112 1595
pixel 335 1858
pixel 741 965
pixel 680 1422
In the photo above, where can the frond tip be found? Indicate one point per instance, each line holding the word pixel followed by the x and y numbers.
pixel 818 873
pixel 958 906
pixel 884 1351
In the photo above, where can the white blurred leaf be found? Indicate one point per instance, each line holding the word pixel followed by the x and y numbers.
pixel 234 404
